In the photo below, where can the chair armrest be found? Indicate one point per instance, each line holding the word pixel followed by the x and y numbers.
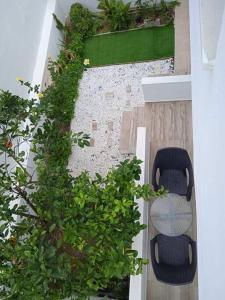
pixel 154 172
pixel 153 256
pixel 194 253
pixel 189 191
pixel 191 180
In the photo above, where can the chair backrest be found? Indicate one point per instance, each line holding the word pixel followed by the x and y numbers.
pixel 172 158
pixel 173 251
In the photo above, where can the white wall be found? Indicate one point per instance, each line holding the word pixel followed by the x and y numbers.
pixel 213 11
pixel 208 100
pixel 20 23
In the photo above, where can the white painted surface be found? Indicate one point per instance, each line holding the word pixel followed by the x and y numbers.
pixel 21 26
pixel 138 284
pixel 27 40
pixel 23 47
pixel 47 28
pixel 211 13
pixel 167 88
pixel 208 102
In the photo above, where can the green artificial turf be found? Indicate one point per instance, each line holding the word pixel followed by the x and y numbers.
pixel 131 46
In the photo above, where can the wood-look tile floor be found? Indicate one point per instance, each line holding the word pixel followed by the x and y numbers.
pixel 169 124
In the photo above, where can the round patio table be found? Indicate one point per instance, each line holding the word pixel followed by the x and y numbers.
pixel 171 214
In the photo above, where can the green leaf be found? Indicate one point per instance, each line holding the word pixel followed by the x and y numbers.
pixel 52 227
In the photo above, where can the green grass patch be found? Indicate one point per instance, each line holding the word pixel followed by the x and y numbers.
pixel 131 46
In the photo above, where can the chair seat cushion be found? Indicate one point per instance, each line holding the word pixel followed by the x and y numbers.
pixel 175 181
pixel 173 251
pixel 175 275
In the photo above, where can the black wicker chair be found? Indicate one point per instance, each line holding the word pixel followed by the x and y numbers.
pixel 174 266
pixel 173 164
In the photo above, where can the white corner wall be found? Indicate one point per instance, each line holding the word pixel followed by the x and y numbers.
pixel 211 13
pixel 33 39
pixel 21 25
pixel 208 105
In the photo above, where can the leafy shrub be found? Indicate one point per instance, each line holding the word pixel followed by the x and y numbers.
pixel 74 235
pixel 172 4
pixel 152 9
pixel 117 13
pixel 82 20
pixel 77 44
pixel 117 289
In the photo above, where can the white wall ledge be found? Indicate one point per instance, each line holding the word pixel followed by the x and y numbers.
pixel 166 88
pixel 138 284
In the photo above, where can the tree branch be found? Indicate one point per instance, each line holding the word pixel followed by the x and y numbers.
pixel 10 153
pixel 23 194
pixel 21 214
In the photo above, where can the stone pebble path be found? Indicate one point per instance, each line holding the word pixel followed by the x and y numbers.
pixel 106 92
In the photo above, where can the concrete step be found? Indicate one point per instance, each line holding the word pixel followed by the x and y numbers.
pixel 128 136
pixel 133 132
pixel 125 132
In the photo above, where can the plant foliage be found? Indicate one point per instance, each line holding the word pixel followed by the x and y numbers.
pixel 153 9
pixel 116 13
pixel 61 236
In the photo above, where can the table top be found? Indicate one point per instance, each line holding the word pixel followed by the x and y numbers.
pixel 171 214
